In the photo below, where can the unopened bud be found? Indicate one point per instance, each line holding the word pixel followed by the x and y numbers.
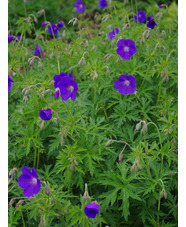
pixel 12 171
pixel 47 189
pixel 138 126
pixel 144 129
pixel 163 193
pixel 42 125
pixel 108 142
pixel 19 203
pixel 86 197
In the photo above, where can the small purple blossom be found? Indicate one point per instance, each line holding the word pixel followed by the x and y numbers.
pixel 71 75
pixel 112 34
pixel 103 4
pixel 60 24
pixel 18 37
pixel 91 210
pixel 53 29
pixel 43 24
pixel 46 114
pixel 139 16
pixel 10 81
pixel 126 84
pixel 151 24
pixel 160 6
pixel 149 18
pixel 126 48
pixel 29 182
pixel 10 38
pixel 80 6
pixel 175 151
pixel 38 50
pixel 68 88
pixel 99 34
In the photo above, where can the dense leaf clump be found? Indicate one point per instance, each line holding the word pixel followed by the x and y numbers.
pixel 94 114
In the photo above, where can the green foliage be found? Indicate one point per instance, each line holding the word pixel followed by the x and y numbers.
pixel 131 174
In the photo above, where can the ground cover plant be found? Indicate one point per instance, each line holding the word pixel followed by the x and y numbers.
pixel 93 131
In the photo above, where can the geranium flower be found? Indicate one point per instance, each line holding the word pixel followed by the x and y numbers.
pixel 38 50
pixel 57 79
pixel 43 24
pixel 80 6
pixel 126 84
pixel 60 24
pixel 91 210
pixel 10 38
pixel 68 88
pixel 140 16
pixel 10 81
pixel 29 182
pixel 46 114
pixel 53 29
pixel 126 48
pixel 102 4
pixel 149 18
pixel 151 24
pixel 112 34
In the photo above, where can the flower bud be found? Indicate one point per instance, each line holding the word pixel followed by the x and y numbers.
pixel 47 189
pixel 86 198
pixel 144 129
pixel 19 202
pixel 138 126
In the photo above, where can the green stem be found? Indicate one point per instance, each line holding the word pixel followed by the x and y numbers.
pixel 25 8
pixel 35 154
pixel 147 164
pixel 84 109
pixel 38 159
pixel 160 143
pixel 58 65
pixel 95 86
pixel 69 187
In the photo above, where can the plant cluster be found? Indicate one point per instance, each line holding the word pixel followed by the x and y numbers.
pixel 93 116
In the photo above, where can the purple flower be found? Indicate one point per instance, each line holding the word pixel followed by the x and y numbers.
pixel 102 4
pixel 53 29
pixel 126 84
pixel 149 18
pixel 60 24
pixel 46 114
pixel 80 6
pixel 151 24
pixel 91 210
pixel 126 48
pixel 175 151
pixel 99 34
pixel 57 79
pixel 29 182
pixel 68 88
pixel 112 34
pixel 10 38
pixel 18 37
pixel 37 50
pixel 160 6
pixel 43 24
pixel 10 81
pixel 140 16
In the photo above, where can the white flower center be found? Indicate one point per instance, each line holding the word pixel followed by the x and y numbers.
pixel 70 88
pixel 127 82
pixel 81 6
pixel 126 49
pixel 34 181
